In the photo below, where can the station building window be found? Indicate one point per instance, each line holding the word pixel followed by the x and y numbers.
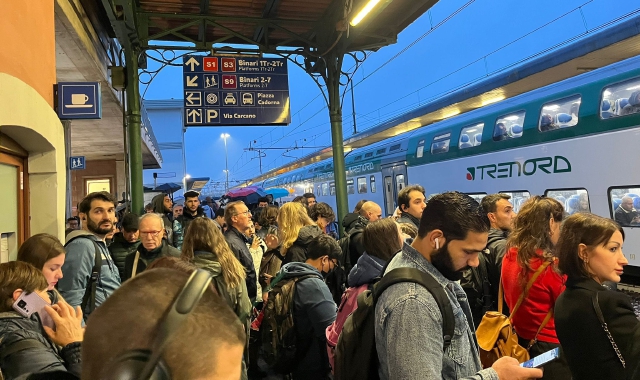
pixel 471 136
pixel 362 185
pixel 440 143
pixel 625 203
pixel 372 183
pixel 573 200
pixel 621 99
pixel 558 114
pixel 517 198
pixel 325 189
pixel 350 187
pixel 509 126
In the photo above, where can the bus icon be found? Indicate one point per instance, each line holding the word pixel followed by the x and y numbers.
pixel 247 99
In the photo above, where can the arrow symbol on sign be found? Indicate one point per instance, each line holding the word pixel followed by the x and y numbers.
pixel 193 116
pixel 191 82
pixel 192 62
pixel 190 97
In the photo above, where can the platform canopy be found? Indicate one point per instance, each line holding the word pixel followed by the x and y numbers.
pixel 267 25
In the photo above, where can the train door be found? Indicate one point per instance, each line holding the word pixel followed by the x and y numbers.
pixel 394 179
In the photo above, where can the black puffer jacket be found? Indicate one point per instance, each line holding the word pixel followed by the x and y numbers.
pixel 298 251
pixel 44 356
pixel 120 249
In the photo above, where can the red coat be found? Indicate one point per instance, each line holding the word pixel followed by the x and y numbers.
pixel 542 296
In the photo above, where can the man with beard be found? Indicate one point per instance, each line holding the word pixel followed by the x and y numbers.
pixel 191 211
pixel 483 282
pixel 97 212
pixel 408 331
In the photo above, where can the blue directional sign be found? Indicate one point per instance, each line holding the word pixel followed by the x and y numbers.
pixel 76 163
pixel 220 90
pixel 79 100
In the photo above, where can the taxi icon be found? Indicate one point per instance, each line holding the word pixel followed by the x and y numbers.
pixel 230 99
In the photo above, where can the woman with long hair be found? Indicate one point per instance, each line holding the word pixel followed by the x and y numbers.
pixel 530 277
pixel 205 246
pixel 296 230
pixel 590 253
pixel 47 254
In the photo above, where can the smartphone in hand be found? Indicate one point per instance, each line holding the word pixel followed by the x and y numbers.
pixel 542 359
pixel 27 304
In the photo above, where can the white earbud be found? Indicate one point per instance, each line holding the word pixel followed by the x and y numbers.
pixel 437 244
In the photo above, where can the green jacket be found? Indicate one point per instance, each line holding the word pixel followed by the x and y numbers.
pixel 120 249
pixel 237 298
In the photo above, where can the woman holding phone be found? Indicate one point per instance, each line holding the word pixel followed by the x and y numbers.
pixel 597 327
pixel 26 346
pixel 45 252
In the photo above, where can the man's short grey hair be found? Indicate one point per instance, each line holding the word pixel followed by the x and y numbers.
pixel 152 215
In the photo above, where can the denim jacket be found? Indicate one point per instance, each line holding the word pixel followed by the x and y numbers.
pixel 409 330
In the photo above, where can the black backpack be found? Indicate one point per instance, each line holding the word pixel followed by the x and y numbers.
pixel 356 355
pixel 89 296
pixel 477 286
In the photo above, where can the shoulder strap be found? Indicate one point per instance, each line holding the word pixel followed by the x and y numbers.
pixel 424 279
pixel 20 345
pixel 90 292
pixel 135 264
pixel 524 294
pixel 596 307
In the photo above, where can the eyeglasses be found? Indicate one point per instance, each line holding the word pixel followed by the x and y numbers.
pixel 150 233
pixel 247 213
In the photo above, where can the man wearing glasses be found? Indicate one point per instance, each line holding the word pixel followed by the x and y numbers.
pixel 238 218
pixel 152 246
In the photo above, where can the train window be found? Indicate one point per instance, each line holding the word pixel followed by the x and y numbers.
pixel 558 114
pixel 372 183
pixel 573 200
pixel 350 187
pixel 394 147
pixel 471 136
pixel 509 126
pixel 362 185
pixel 358 158
pixel 399 182
pixel 517 198
pixel 332 188
pixel 420 149
pixel 625 203
pixel 440 143
pixel 621 99
pixel 381 151
pixel 368 155
pixel 477 196
pixel 325 189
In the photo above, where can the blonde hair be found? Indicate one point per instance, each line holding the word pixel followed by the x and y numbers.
pixel 291 218
pixel 204 235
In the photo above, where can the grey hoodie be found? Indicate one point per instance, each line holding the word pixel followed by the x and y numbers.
pixel 313 311
pixel 79 260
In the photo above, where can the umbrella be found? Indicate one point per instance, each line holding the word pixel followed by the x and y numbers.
pixel 169 187
pixel 248 195
pixel 277 192
pixel 244 191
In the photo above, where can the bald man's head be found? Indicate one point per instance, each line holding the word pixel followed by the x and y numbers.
pixel 627 203
pixel 371 211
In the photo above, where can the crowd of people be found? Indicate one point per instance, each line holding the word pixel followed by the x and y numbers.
pixel 245 290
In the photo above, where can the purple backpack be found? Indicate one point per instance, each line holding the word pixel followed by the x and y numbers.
pixel 348 305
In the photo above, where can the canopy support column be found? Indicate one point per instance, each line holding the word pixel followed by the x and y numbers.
pixel 134 123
